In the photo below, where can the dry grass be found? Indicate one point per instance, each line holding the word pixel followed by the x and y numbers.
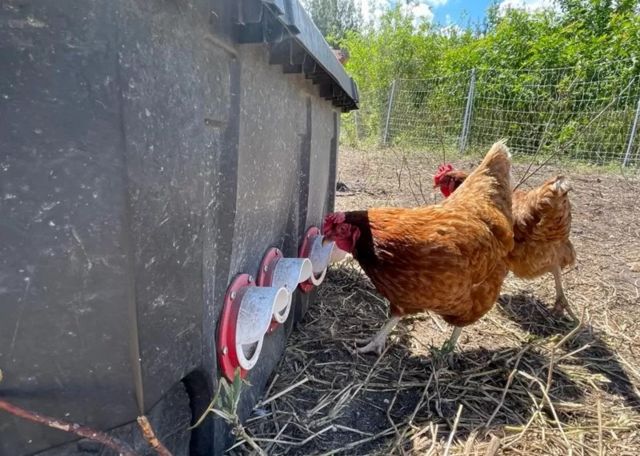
pixel 520 382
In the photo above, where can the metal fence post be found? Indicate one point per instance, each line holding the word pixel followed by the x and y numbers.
pixel 466 120
pixel 392 92
pixel 634 127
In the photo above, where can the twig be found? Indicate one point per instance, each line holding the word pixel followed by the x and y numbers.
pixel 150 437
pixel 284 391
pixel 434 438
pixel 349 429
pixel 240 432
pixel 493 447
pixel 313 436
pixel 600 449
pixel 280 432
pixel 416 409
pixel 393 401
pixel 453 431
pixel 543 389
pixel 115 444
pixel 471 440
pixel 572 333
pixel 360 442
pixel 512 375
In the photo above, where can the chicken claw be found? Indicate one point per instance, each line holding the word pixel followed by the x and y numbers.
pixel 378 342
pixel 450 344
pixel 374 346
pixel 561 306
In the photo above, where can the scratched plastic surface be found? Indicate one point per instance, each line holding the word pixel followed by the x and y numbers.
pixel 140 148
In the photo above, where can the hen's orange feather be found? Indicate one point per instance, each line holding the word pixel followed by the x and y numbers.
pixel 542 224
pixel 448 258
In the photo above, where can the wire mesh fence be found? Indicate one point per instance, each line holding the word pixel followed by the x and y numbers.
pixel 589 115
pixel 365 124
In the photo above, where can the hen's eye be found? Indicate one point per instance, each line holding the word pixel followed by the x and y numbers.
pixel 343 230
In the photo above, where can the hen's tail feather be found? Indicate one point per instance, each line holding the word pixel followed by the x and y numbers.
pixel 502 144
pixel 498 163
pixel 562 185
pixel 499 148
pixel 552 195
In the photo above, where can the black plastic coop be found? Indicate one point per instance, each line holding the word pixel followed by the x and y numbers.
pixel 150 152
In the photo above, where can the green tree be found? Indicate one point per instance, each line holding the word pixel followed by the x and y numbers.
pixel 594 41
pixel 334 18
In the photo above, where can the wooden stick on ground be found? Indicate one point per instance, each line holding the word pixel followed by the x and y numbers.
pixel 150 437
pixel 115 444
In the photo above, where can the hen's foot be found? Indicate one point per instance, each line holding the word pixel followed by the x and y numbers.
pixel 364 340
pixel 451 343
pixel 561 306
pixel 443 356
pixel 447 347
pixel 445 353
pixel 374 346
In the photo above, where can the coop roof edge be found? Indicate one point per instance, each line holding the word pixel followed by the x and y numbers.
pixel 297 44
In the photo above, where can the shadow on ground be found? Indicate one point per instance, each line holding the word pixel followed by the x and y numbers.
pixel 587 347
pixel 409 399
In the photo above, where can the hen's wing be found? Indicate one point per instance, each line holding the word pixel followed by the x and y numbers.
pixel 544 213
pixel 434 258
pixel 542 224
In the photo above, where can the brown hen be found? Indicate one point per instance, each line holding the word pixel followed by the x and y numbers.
pixel 448 258
pixel 542 224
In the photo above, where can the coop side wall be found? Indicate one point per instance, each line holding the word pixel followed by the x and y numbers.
pixel 145 160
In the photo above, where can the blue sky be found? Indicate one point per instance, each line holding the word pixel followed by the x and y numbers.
pixel 460 11
pixel 449 12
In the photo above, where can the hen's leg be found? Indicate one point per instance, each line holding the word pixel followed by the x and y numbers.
pixel 561 304
pixel 379 340
pixel 450 344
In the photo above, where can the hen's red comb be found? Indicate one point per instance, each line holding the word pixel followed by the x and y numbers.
pixel 445 168
pixel 442 169
pixel 331 219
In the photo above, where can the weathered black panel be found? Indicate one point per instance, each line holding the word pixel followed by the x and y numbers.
pixel 66 284
pixel 146 158
pixel 175 106
pixel 170 420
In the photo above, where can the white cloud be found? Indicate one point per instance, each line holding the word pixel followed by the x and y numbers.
pixel 422 10
pixel 527 5
pixel 450 30
pixel 419 10
pixel 372 9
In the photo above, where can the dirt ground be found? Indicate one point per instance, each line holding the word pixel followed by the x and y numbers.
pixel 520 381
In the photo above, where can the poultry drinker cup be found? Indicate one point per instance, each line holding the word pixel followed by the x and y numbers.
pixel 280 272
pixel 246 316
pixel 320 254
